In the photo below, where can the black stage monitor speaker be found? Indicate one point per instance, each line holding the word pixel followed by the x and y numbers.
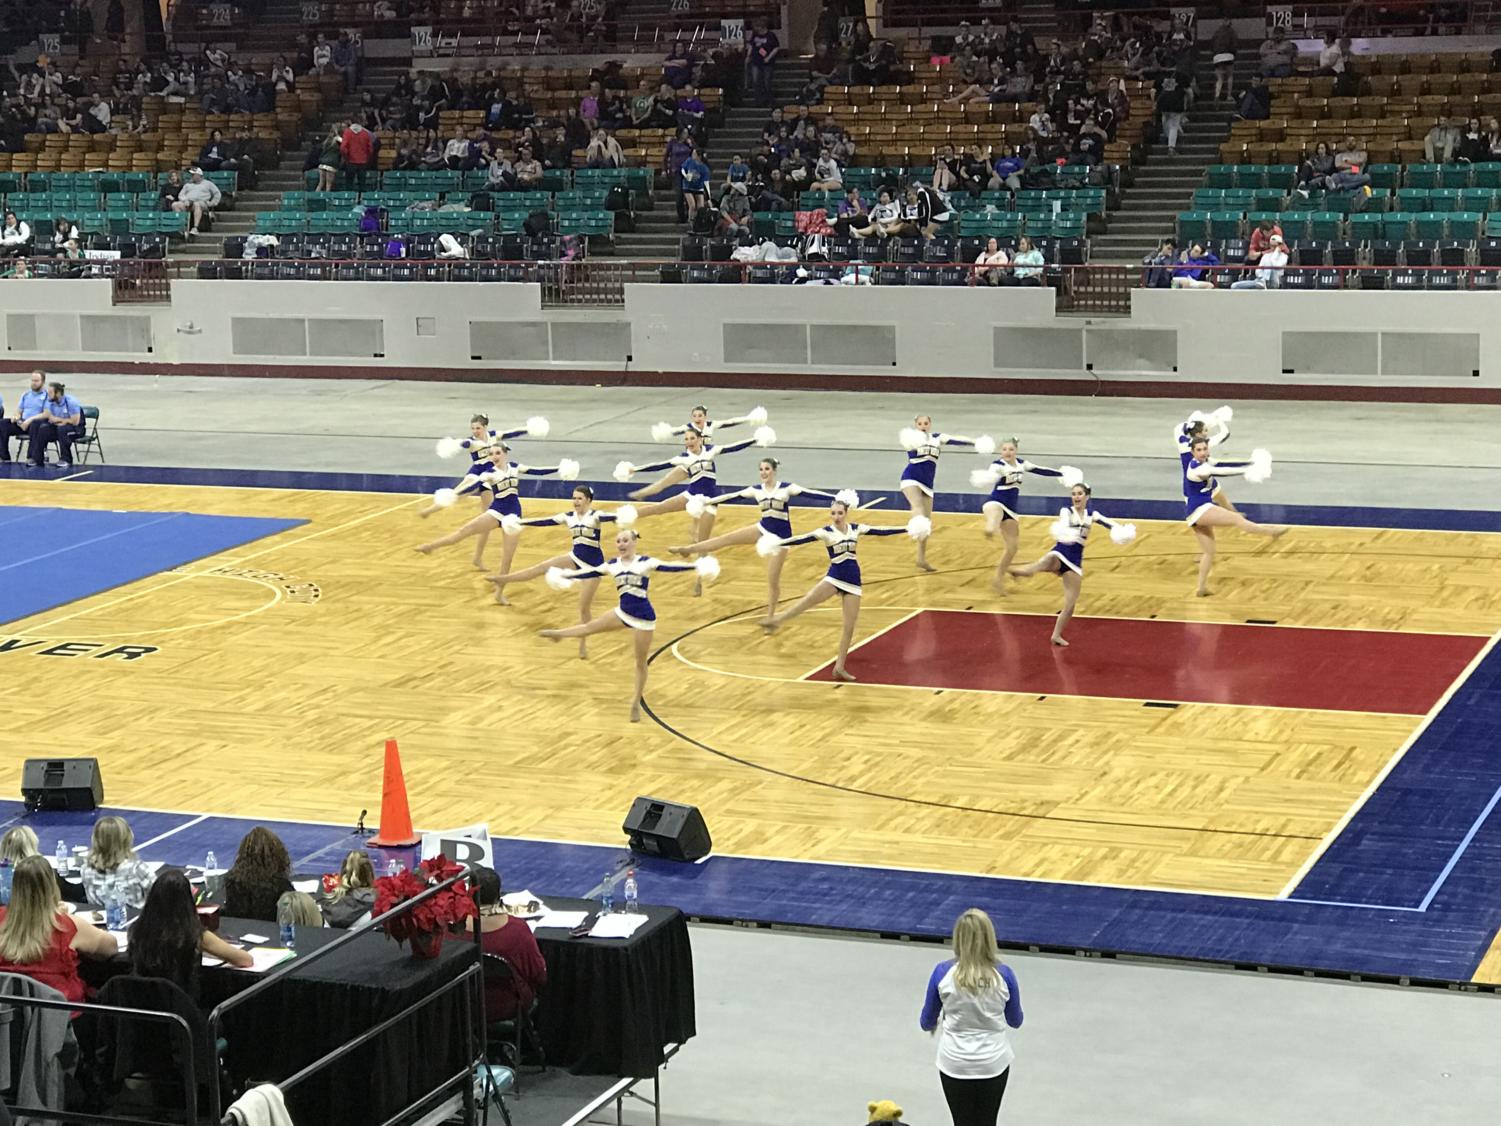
pixel 62 783
pixel 667 829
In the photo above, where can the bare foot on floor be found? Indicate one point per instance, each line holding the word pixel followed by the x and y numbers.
pixel 550 634
pixel 1058 641
pixel 841 674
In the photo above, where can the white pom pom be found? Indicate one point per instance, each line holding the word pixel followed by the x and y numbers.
pixel 764 436
pixel 538 427
pixel 445 498
pixel 984 478
pixel 510 524
pixel 1197 416
pixel 707 568
pixel 696 505
pixel 919 527
pixel 910 438
pixel 568 469
pixel 985 444
pixel 623 470
pixel 625 515
pixel 768 545
pixel 1261 466
pixel 1072 475
pixel 848 497
pixel 1221 414
pixel 1064 532
pixel 448 447
pixel 661 431
pixel 1123 533
pixel 555 579
pixel 757 416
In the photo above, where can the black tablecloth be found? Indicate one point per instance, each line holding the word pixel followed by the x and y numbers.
pixel 612 1005
pixel 310 1012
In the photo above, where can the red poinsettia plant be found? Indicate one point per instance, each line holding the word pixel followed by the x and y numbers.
pixel 436 915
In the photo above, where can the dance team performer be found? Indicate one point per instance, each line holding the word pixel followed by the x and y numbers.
pixel 923 445
pixel 1003 477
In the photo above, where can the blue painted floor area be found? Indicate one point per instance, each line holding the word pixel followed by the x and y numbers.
pixel 52 556
pixel 1339 516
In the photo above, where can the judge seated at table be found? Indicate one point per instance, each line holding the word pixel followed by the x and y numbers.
pixel 40 939
pixel 19 842
pixel 168 939
pixel 298 908
pixel 510 937
pixel 260 875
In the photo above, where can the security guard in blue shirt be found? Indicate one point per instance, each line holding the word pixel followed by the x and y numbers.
pixel 28 413
pixel 61 421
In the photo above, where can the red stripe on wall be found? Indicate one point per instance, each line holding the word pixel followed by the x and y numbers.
pixel 1099 387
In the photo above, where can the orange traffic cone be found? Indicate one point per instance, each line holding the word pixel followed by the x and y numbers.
pixel 395 813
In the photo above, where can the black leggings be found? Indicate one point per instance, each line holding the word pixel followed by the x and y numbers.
pixel 974 1102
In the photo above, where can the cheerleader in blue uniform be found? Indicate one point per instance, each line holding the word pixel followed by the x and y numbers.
pixel 1066 557
pixel 479 444
pixel 1205 510
pixel 923 445
pixel 500 477
pixel 840 538
pixel 772 497
pixel 632 575
pixel 1214 426
pixel 695 469
pixel 1003 477
pixel 698 419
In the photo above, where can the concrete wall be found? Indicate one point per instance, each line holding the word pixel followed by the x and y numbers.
pixel 1447 345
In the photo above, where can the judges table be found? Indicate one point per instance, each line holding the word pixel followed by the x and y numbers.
pixel 310 1012
pixel 613 1006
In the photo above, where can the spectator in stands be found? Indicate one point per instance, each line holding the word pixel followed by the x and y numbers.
pixel 528 171
pixel 328 159
pixel 1256 101
pixel 59 420
pixel 694 178
pixel 509 938
pixel 1041 122
pixel 639 107
pixel 990 264
pixel 169 941
pixel 762 48
pixel 1331 56
pixel 737 171
pixel 111 870
pixel 926 210
pixel 604 151
pixel 214 152
pixel 1192 269
pixel 500 175
pixel 1279 55
pixel 41 940
pixel 456 153
pixel 260 875
pixel 1261 240
pixel 1027 263
pixel 1089 145
pixel 63 232
pixel 827 175
pixel 1316 168
pixel 876 66
pixel 851 212
pixel 885 217
pixel 1007 170
pixel 298 908
pixel 1268 274
pixel 822 69
pixel 1474 143
pixel 1441 141
pixel 28 414
pixel 973 171
pixel 1222 48
pixel 346 60
pixel 283 78
pixel 677 150
pixel 323 55
pixel 589 104
pixel 1161 264
pixel 15 236
pixel 357 149
pixel 1351 159
pixel 1172 104
pixel 198 198
pixel 677 68
pixel 1493 138
pixel 735 216
pixel 690 112
pixel 664 109
pixel 346 899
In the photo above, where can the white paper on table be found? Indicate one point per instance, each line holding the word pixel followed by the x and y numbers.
pixel 616 926
pixel 154 866
pixel 560 920
pixel 122 939
pixel 306 886
pixel 262 958
pixel 252 938
pixel 209 961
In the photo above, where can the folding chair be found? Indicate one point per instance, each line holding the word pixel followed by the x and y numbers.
pixel 510 1036
pixel 89 439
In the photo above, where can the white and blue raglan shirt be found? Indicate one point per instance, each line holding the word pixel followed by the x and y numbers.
pixel 844 566
pixel 922 459
pixel 632 581
pixel 974 1041
pixel 584 531
pixel 773 502
pixel 503 483
pixel 1216 432
pixel 700 468
pixel 1008 478
pixel 479 448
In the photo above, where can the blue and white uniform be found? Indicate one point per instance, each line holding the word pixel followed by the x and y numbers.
pixel 708 427
pixel 631 582
pixel 773 502
pixel 585 530
pixel 700 468
pixel 479 449
pixel 1216 432
pixel 503 483
pixel 1071 555
pixel 844 568
pixel 1200 487
pixel 1008 478
pixel 922 459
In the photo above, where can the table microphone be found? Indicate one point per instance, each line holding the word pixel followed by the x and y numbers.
pixel 359 826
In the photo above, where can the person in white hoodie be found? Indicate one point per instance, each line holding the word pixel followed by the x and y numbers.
pixel 1269 273
pixel 972 1002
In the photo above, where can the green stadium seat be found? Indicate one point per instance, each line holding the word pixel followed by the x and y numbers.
pixel 1191 226
pixel 1487 175
pixel 1395 225
pixel 1412 199
pixel 1324 225
pixel 1454 176
pixel 1493 225
pixel 1367 226
pixel 1477 199
pixel 1226 224
pixel 1465 225
pixel 1422 175
pixel 1430 224
pixel 1443 199
pixel 1220 176
pixel 1267 199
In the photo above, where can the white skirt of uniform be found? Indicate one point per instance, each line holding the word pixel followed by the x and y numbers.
pixel 634 622
pixel 1193 517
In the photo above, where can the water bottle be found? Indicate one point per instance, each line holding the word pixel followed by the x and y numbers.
pixel 210 863
pixel 607 894
pixel 632 893
pixel 60 855
pixel 5 878
pixel 289 936
pixel 114 914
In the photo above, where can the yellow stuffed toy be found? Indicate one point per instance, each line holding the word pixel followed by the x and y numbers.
pixel 884 1111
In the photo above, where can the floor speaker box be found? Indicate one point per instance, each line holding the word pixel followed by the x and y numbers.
pixel 667 829
pixel 62 783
